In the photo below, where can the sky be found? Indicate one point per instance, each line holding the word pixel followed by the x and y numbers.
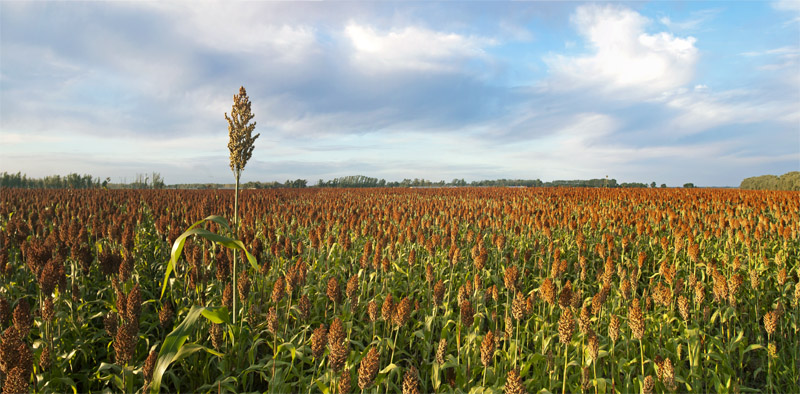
pixel 666 92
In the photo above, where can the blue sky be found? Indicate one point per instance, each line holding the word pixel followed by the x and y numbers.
pixel 671 92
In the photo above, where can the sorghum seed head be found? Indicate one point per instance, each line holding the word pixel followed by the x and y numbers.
pixel 227 296
pixel 333 291
pixel 487 349
pixel 403 312
pixel 278 289
pixel 125 342
pixel 134 305
pixel 46 357
pixel 243 285
pixel 548 291
pixel 771 322
pixel 318 340
pixel 344 382
pixel 110 323
pixel 304 307
pixel 149 365
pixel 438 292
pixel 16 381
pixel 518 307
pixel 411 381
pixel 441 351
pixel 272 320
pixel 566 326
pixel 48 312
pixel 668 374
pixel 25 358
pixel 613 328
pixel 352 290
pixel 387 310
pixel 594 346
pixel 429 273
pixel 683 307
pixel 368 368
pixel 216 334
pixel 636 319
pixel 648 385
pixel 585 320
pixel 510 277
pixel 5 311
pixel 165 315
pixel 338 355
pixel 586 379
pixel 514 383
pixel 467 313
pixel 336 333
pixel 373 311
pixel 565 297
pixel 22 318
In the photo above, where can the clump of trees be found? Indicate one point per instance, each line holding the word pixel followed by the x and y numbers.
pixel 144 181
pixel 353 181
pixel 295 184
pixel 70 181
pixel 787 181
pixel 76 181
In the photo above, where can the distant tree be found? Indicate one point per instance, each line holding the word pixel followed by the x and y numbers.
pixel 787 181
pixel 158 181
pixel 663 185
pixel 653 184
pixel 688 185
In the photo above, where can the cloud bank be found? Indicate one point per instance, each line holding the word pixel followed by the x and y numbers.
pixel 539 90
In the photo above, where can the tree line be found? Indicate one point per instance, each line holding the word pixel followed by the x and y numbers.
pixel 156 181
pixel 70 181
pixel 358 181
pixel 787 181
pixel 77 181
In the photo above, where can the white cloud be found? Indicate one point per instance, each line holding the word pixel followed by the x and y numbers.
pixel 412 48
pixel 241 29
pixel 702 109
pixel 778 58
pixel 791 6
pixel 694 22
pixel 787 5
pixel 626 60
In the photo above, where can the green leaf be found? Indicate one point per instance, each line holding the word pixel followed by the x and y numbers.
pixel 435 378
pixel 172 349
pixel 177 246
pixel 754 346
pixel 389 368
pixel 217 315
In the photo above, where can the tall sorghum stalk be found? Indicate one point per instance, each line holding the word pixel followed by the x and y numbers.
pixel 240 144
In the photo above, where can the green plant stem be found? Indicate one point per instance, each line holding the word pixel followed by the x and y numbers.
pixel 516 342
pixel 236 234
pixel 641 356
pixel 566 357
pixel 394 344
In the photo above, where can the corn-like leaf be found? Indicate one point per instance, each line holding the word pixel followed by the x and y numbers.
pixel 174 348
pixel 177 246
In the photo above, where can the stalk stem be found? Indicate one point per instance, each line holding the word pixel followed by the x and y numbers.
pixel 564 381
pixel 236 234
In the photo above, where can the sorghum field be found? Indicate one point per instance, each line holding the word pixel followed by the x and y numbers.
pixel 389 290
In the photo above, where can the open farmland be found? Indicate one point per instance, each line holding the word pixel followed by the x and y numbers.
pixel 421 290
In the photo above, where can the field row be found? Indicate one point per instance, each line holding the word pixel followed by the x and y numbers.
pixel 387 290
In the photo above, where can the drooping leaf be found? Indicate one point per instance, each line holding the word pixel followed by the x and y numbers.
pixel 175 348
